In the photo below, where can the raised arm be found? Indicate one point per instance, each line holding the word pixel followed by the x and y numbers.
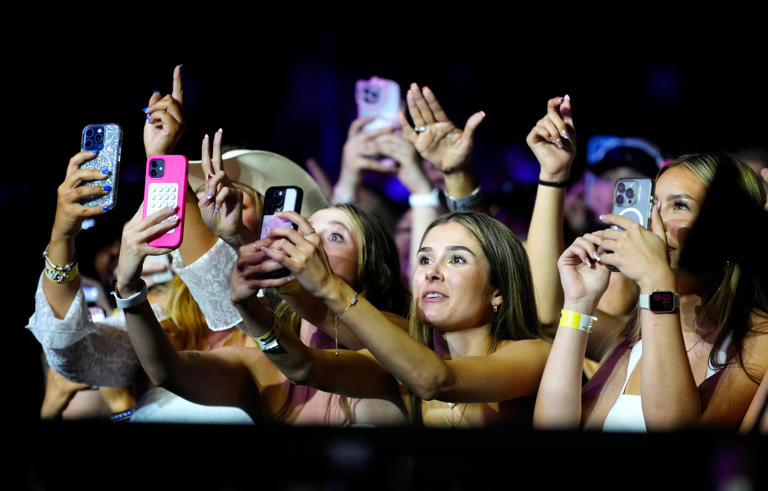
pixel 346 372
pixel 220 378
pixel 512 371
pixel 553 142
pixel 447 147
pixel 584 279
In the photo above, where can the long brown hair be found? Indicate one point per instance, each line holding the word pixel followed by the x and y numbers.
pixel 508 270
pixel 738 292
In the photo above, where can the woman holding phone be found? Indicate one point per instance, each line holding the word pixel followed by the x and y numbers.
pixel 471 358
pixel 696 353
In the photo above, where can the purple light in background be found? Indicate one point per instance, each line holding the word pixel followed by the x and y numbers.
pixel 521 166
pixel 396 191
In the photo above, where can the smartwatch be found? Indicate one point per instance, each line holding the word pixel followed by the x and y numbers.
pixel 660 302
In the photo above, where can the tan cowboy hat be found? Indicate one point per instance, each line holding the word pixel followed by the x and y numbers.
pixel 259 170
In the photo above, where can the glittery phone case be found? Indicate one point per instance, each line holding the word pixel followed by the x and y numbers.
pixel 165 185
pixel 108 140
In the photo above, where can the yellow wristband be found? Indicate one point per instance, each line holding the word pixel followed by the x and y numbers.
pixel 268 341
pixel 289 287
pixel 575 320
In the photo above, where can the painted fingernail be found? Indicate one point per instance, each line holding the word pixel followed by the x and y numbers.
pixel 206 136
pixel 564 134
pixel 215 209
pixel 149 116
pixel 106 171
pixel 567 97
pixel 145 109
pixel 105 207
pixel 93 150
pixel 220 130
pixel 155 92
pixel 107 188
pixel 602 217
pixel 559 143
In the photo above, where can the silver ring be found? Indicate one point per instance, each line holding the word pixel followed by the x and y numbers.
pixel 420 129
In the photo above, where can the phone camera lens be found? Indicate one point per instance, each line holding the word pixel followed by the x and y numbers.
pixel 99 138
pixel 621 187
pixel 620 199
pixel 153 173
pixel 630 193
pixel 88 144
pixel 89 132
pixel 153 163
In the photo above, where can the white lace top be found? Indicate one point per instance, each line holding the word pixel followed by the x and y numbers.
pixel 100 353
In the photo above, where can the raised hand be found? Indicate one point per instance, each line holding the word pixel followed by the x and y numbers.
pixel 134 248
pixel 409 171
pixel 220 201
pixel 358 156
pixel 248 274
pixel 640 254
pixel 302 252
pixel 165 119
pixel 583 277
pixel 435 136
pixel 553 140
pixel 70 213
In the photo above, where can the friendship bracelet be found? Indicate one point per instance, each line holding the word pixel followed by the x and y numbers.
pixel 124 416
pixel 554 184
pixel 575 320
pixel 268 341
pixel 430 199
pixel 59 274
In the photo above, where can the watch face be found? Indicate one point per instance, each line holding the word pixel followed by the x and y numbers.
pixel 662 302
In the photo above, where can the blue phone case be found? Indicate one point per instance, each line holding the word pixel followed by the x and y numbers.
pixel 107 139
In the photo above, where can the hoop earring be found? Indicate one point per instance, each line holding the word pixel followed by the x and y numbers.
pixel 495 308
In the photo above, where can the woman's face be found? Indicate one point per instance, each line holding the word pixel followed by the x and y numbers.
pixel 451 283
pixel 681 194
pixel 251 208
pixel 341 242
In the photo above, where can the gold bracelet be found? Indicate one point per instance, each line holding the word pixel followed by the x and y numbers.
pixel 351 302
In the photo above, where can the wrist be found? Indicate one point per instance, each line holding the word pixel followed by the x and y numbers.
pixel 662 280
pixel 562 176
pixel 460 183
pixel 585 306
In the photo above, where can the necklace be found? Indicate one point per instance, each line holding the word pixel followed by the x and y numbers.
pixel 451 423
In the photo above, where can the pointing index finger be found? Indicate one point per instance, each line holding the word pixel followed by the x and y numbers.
pixel 178 91
pixel 304 226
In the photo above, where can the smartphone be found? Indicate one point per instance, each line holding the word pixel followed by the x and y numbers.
pixel 278 199
pixel 633 198
pixel 380 98
pixel 107 140
pixel 165 185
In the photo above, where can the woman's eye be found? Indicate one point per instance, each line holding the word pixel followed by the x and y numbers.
pixel 334 237
pixel 424 260
pixel 456 258
pixel 679 205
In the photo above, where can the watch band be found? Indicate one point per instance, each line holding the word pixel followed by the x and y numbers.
pixel 468 202
pixel 132 301
pixel 651 301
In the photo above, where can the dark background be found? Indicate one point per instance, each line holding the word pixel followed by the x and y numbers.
pixel 281 78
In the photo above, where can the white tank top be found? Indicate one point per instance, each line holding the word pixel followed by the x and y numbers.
pixel 626 415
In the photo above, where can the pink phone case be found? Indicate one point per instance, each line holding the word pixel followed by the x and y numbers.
pixel 378 97
pixel 165 184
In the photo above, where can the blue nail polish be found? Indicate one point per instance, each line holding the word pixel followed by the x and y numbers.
pixel 106 171
pixel 216 209
pixel 149 116
pixel 93 150
pixel 105 207
pixel 145 109
pixel 156 92
pixel 107 188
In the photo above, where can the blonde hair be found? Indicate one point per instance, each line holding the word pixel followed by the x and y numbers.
pixel 185 321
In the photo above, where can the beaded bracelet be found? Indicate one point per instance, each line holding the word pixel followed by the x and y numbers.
pixel 575 320
pixel 124 416
pixel 59 274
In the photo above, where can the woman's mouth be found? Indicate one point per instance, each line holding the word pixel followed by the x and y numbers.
pixel 433 296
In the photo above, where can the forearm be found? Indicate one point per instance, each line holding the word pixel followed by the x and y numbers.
pixel 670 398
pixel 198 238
pixel 61 251
pixel 317 314
pixel 416 366
pixel 558 403
pixel 544 245
pixel 460 182
pixel 153 348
